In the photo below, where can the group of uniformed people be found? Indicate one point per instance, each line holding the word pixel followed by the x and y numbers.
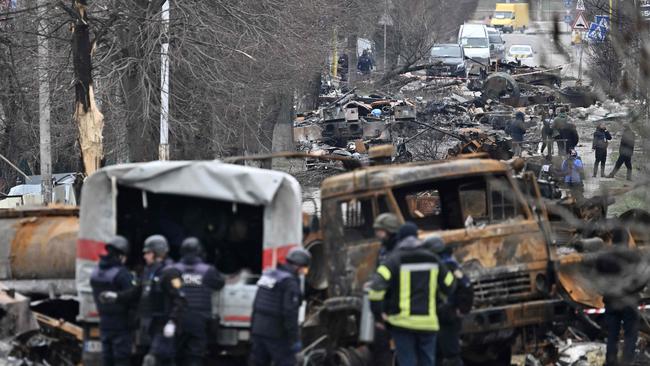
pixel 418 295
pixel 174 306
pixel 173 301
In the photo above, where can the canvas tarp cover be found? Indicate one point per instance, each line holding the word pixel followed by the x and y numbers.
pixel 278 192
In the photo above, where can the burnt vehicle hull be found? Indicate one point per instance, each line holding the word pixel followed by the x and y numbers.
pixel 506 252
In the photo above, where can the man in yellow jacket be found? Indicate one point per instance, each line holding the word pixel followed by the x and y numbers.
pixel 403 293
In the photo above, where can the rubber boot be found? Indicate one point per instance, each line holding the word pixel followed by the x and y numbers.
pixel 629 174
pixel 602 171
pixel 595 170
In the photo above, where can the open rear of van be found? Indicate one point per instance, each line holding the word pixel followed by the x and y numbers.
pixel 246 218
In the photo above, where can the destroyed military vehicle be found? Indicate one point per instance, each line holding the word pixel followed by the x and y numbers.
pixel 247 219
pixel 500 236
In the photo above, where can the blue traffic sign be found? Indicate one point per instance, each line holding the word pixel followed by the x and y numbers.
pixel 603 21
pixel 597 33
pixel 568 4
pixel 568 19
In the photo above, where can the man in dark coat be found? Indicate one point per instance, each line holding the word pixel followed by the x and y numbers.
pixel 547 137
pixel 274 324
pixel 516 129
pixel 365 63
pixel 115 323
pixel 625 152
pixel 599 145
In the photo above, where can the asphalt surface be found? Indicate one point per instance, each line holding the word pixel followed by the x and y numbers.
pixel 548 53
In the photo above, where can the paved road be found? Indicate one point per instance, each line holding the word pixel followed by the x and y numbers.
pixel 547 53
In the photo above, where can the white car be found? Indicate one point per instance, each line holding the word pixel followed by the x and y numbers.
pixel 523 53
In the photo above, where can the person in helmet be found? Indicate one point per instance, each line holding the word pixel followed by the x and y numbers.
pixel 199 281
pixel 386 226
pixel 275 328
pixel 112 276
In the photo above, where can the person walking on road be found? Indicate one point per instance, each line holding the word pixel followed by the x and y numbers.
pixel 574 175
pixel 451 308
pixel 403 293
pixel 625 152
pixel 274 324
pixel 547 137
pixel 199 281
pixel 516 129
pixel 115 321
pixel 599 145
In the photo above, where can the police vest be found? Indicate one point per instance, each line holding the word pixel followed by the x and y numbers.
pixel 103 280
pixel 269 296
pixel 198 296
pixel 152 302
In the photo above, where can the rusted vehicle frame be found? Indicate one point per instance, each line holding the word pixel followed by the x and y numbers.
pixel 515 279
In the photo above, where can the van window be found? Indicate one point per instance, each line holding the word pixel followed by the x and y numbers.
pixel 504 15
pixel 474 42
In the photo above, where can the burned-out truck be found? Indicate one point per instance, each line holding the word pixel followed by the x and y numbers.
pixel 246 218
pixel 499 235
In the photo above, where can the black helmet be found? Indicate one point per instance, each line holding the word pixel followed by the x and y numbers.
pixel 156 244
pixel 299 257
pixel 435 243
pixel 191 246
pixel 118 244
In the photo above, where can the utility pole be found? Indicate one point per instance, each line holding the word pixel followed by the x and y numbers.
pixel 44 104
pixel 163 150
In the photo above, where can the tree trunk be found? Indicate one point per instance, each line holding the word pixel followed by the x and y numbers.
pixel 90 120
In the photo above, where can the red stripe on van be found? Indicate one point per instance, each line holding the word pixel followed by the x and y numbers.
pixel 272 256
pixel 237 318
pixel 90 249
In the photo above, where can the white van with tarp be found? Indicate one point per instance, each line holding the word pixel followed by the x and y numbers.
pixel 247 219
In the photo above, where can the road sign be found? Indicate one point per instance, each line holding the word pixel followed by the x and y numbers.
pixel 580 5
pixel 386 19
pixel 644 9
pixel 580 23
pixel 568 3
pixel 603 21
pixel 596 33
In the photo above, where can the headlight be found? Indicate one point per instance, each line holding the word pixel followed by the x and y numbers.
pixel 460 66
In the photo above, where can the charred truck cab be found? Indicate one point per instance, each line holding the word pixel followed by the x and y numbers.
pixel 246 218
pixel 475 205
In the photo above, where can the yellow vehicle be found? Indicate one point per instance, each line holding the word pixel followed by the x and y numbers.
pixel 509 17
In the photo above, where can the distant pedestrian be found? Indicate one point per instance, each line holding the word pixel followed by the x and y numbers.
pixel 547 137
pixel 559 127
pixel 625 152
pixel 516 129
pixel 365 63
pixel 574 175
pixel 343 67
pixel 403 292
pixel 599 145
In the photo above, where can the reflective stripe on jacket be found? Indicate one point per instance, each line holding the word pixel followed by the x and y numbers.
pixel 407 283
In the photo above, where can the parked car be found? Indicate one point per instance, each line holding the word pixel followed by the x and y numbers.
pixel 497 44
pixel 447 60
pixel 475 42
pixel 521 53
